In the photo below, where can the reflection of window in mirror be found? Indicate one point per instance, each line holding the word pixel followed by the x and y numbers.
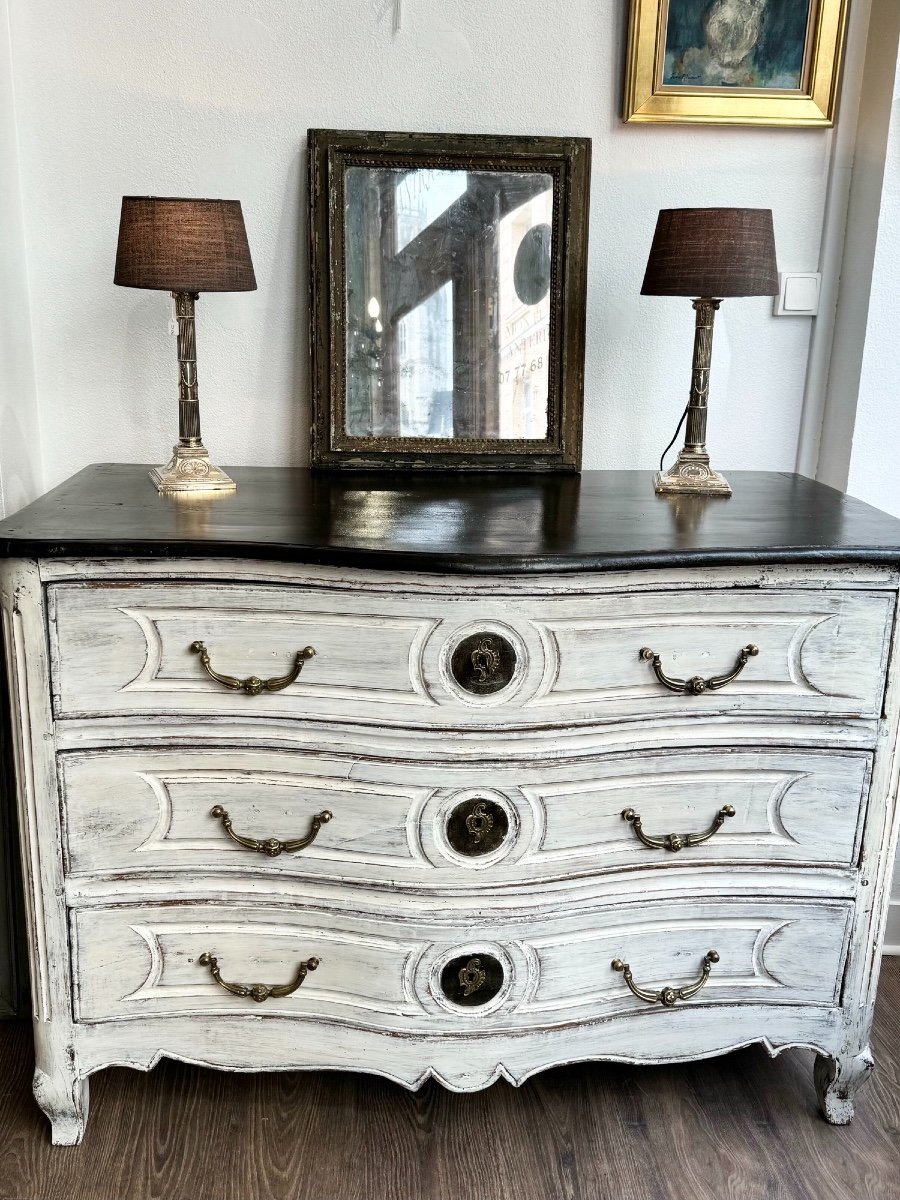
pixel 425 358
pixel 421 197
pixel 524 324
pixel 447 303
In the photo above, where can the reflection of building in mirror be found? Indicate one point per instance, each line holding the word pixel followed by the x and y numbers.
pixel 425 357
pixel 524 326
pixel 447 303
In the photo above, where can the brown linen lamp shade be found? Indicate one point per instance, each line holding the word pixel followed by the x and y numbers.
pixel 712 252
pixel 179 245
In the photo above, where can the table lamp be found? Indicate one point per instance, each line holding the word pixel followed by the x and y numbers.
pixel 185 247
pixel 709 254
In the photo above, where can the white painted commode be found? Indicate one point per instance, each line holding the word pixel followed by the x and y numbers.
pixel 436 810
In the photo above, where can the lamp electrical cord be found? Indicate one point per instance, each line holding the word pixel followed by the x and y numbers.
pixel 674 436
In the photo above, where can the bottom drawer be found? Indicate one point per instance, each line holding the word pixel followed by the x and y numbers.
pixel 389 973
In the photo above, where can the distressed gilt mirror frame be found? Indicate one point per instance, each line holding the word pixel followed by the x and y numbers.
pixel 567 162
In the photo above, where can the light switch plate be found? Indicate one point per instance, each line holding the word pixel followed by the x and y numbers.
pixel 798 294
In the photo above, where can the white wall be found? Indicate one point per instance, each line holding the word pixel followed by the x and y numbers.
pixel 21 470
pixel 864 447
pixel 200 97
pixel 860 324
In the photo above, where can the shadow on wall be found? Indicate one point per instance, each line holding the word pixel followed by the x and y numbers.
pixel 19 483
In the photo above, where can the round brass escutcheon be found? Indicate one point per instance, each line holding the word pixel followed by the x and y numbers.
pixel 477 827
pixel 483 663
pixel 472 979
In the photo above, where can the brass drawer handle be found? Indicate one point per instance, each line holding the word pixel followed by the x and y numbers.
pixel 272 846
pixel 257 991
pixel 698 685
pixel 676 841
pixel 669 995
pixel 253 685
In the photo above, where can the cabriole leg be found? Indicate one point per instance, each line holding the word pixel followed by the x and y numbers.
pixel 838 1080
pixel 64 1101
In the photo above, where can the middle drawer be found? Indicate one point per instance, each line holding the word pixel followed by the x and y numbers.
pixel 383 823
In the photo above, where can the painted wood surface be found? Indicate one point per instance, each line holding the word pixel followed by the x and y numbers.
pixel 128 884
pixel 151 811
pixel 385 972
pixel 386 657
pixel 406 522
pixel 60 1087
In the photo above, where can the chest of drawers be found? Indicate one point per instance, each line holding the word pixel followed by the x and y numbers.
pixel 460 781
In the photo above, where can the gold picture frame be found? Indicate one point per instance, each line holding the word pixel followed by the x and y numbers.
pixel 720 88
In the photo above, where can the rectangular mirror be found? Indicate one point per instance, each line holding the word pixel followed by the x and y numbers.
pixel 448 298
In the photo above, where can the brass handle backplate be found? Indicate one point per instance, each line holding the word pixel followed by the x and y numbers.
pixel 698 685
pixel 253 685
pixel 272 846
pixel 668 995
pixel 257 991
pixel 676 841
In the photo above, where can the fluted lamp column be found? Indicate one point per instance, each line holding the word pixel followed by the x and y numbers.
pixel 185 247
pixel 708 254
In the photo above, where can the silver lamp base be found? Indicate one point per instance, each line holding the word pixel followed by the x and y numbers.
pixel 190 470
pixel 691 476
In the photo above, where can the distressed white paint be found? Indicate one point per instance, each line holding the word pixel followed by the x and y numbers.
pixel 215 101
pixel 122 848
pixel 578 659
pixel 145 811
pixel 377 968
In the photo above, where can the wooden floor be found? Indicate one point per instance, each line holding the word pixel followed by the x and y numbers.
pixel 743 1126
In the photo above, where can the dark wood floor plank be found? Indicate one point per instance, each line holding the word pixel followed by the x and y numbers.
pixel 741 1127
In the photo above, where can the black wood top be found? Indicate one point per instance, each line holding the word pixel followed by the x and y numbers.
pixel 600 520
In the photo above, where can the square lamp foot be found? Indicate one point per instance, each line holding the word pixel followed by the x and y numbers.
pixel 691 476
pixel 190 470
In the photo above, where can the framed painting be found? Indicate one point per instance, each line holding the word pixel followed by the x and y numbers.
pixel 448 285
pixel 735 62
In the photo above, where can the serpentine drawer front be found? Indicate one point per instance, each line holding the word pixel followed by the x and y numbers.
pixel 413 660
pixel 148 811
pixel 448 778
pixel 393 974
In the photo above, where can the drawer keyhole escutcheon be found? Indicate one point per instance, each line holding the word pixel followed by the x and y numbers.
pixel 472 979
pixel 271 846
pixel 479 822
pixel 667 996
pixel 253 685
pixel 676 841
pixel 697 685
pixel 477 827
pixel 257 991
pixel 483 663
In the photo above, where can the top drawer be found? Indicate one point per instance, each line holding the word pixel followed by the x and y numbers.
pixel 418 659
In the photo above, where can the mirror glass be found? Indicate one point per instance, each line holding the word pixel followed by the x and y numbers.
pixel 447 303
